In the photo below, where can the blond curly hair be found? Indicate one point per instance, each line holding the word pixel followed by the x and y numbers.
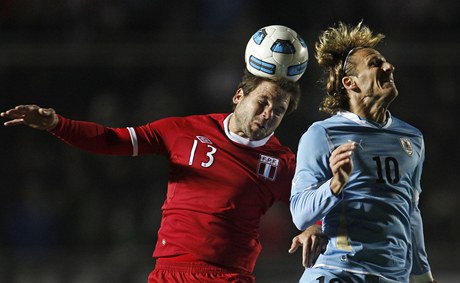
pixel 333 48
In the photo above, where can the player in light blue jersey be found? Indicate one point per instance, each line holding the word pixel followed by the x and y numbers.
pixel 359 170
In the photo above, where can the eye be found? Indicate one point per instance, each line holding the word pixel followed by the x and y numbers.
pixel 279 111
pixel 262 101
pixel 375 62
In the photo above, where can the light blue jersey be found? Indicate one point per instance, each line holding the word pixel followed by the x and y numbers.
pixel 374 226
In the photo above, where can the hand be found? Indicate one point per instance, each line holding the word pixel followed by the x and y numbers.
pixel 313 242
pixel 341 166
pixel 32 116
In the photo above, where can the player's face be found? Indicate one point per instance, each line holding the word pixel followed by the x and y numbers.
pixel 373 77
pixel 259 113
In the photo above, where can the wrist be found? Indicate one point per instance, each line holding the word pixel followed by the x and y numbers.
pixel 53 124
pixel 336 187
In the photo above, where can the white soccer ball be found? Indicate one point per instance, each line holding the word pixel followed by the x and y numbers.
pixel 276 51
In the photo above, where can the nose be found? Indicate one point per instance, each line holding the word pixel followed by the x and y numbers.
pixel 388 67
pixel 267 113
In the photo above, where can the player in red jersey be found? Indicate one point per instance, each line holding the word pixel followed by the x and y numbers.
pixel 226 171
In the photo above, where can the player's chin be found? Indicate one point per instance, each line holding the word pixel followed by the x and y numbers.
pixel 259 134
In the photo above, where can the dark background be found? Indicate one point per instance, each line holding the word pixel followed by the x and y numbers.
pixel 70 216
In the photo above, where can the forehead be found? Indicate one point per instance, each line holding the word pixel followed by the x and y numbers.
pixel 270 90
pixel 365 54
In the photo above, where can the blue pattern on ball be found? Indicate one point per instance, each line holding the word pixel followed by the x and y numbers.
pixel 297 69
pixel 259 36
pixel 283 46
pixel 262 66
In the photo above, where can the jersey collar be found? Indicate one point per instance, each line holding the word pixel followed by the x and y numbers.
pixel 244 141
pixel 355 118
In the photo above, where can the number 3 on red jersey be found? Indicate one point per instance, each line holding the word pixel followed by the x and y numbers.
pixel 210 155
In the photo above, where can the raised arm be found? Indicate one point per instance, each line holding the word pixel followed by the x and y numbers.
pixel 84 135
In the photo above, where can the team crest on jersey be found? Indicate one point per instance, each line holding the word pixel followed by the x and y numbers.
pixel 204 139
pixel 406 144
pixel 267 167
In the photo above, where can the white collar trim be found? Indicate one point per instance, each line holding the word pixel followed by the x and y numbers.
pixel 355 118
pixel 244 141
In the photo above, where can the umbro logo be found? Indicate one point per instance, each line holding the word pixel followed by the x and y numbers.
pixel 204 139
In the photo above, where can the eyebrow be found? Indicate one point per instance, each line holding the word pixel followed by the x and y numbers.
pixel 371 57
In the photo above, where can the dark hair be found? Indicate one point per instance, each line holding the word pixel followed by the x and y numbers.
pixel 250 82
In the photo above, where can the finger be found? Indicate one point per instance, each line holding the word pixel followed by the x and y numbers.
pixel 336 163
pixel 341 153
pixel 346 146
pixel 339 164
pixel 314 251
pixel 25 108
pixel 319 247
pixel 12 113
pixel 306 252
pixel 343 148
pixel 14 122
pixel 317 251
pixel 292 249
pixel 306 256
pixel 17 112
pixel 294 245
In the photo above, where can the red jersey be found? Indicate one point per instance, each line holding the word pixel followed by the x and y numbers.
pixel 219 184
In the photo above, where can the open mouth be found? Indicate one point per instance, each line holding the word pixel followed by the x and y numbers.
pixel 385 82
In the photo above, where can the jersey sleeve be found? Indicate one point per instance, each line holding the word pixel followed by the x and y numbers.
pixel 311 196
pixel 421 267
pixel 96 138
pixel 156 137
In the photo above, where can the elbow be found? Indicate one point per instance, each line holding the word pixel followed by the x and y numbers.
pixel 299 224
pixel 299 216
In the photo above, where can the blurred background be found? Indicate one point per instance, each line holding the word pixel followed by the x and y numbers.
pixel 70 216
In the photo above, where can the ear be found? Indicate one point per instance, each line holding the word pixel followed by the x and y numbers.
pixel 348 83
pixel 238 96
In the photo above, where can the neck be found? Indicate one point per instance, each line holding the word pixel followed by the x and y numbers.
pixel 373 114
pixel 370 108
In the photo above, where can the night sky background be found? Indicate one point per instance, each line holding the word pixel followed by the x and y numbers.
pixel 70 216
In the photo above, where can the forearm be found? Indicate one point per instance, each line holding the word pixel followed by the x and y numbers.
pixel 420 264
pixel 93 137
pixel 310 205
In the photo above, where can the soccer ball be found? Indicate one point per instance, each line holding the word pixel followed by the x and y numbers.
pixel 276 51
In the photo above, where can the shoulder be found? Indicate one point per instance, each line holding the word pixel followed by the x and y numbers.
pixel 320 128
pixel 191 120
pixel 332 121
pixel 404 126
pixel 274 144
